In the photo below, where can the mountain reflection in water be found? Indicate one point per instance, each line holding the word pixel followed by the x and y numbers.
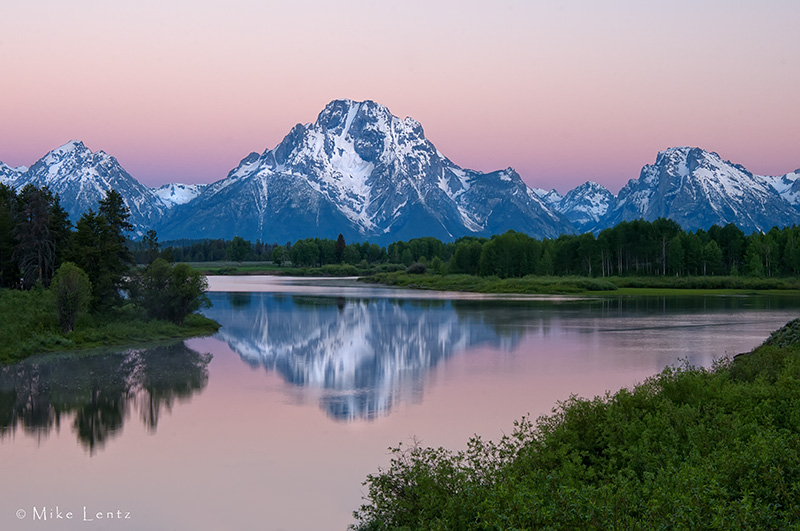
pixel 364 355
pixel 98 392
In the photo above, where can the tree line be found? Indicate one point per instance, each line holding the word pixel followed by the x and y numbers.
pixel 631 248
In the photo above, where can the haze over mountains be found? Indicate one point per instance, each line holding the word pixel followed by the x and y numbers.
pixel 363 172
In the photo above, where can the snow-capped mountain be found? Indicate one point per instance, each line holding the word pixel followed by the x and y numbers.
pixel 172 194
pixel 788 186
pixel 360 171
pixel 550 197
pixel 82 177
pixel 698 189
pixel 9 176
pixel 586 205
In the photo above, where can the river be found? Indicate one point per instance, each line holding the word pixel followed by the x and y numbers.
pixel 274 422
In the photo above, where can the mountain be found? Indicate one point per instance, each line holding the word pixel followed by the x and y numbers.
pixel 584 206
pixel 9 176
pixel 697 189
pixel 788 186
pixel 550 197
pixel 361 171
pixel 82 177
pixel 172 194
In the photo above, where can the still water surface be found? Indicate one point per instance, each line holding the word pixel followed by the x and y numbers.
pixel 274 422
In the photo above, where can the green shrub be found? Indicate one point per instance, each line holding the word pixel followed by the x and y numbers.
pixel 688 449
pixel 72 293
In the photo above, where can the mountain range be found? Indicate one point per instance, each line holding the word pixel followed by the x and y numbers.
pixel 360 171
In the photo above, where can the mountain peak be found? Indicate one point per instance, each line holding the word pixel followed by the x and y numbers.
pixel 72 145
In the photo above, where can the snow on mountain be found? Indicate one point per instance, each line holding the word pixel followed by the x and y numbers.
pixel 586 205
pixel 550 197
pixel 365 173
pixel 82 177
pixel 9 176
pixel 788 186
pixel 172 194
pixel 698 189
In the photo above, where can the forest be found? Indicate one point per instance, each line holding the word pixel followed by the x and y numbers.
pixel 80 287
pixel 635 248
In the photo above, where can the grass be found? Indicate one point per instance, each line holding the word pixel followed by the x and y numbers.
pixel 639 286
pixel 268 268
pixel 471 283
pixel 30 326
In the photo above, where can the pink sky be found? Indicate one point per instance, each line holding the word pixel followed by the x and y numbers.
pixel 563 92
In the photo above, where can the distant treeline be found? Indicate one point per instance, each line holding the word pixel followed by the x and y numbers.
pixel 631 248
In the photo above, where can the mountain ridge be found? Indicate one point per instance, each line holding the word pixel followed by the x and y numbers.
pixel 363 172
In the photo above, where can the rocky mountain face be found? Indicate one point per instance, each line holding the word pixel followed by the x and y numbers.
pixel 360 171
pixel 82 177
pixel 698 189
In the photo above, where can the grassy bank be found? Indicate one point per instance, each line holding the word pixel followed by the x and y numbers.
pixel 268 268
pixel 30 326
pixel 690 448
pixel 585 285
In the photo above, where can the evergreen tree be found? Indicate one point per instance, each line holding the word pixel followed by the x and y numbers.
pixel 340 247
pixel 100 249
pixel 151 246
pixel 39 231
pixel 9 273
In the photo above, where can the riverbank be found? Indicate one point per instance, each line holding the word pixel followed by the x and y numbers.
pixel 30 326
pixel 690 448
pixel 587 285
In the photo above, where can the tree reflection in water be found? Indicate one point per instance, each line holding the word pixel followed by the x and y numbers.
pixel 98 392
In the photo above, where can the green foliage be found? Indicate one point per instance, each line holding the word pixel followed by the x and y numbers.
pixel 150 247
pixel 688 449
pixel 530 284
pixel 71 291
pixel 417 268
pixel 278 255
pixel 238 249
pixel 100 249
pixel 169 292
pixel 31 326
pixel 29 322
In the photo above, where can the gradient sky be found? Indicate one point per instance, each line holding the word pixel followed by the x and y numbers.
pixel 563 92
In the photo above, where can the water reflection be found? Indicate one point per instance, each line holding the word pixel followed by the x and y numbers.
pixel 360 356
pixel 365 355
pixel 98 392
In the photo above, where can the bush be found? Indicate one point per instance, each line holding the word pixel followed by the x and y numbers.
pixel 169 292
pixel 688 449
pixel 417 268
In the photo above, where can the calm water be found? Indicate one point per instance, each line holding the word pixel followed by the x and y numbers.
pixel 276 421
